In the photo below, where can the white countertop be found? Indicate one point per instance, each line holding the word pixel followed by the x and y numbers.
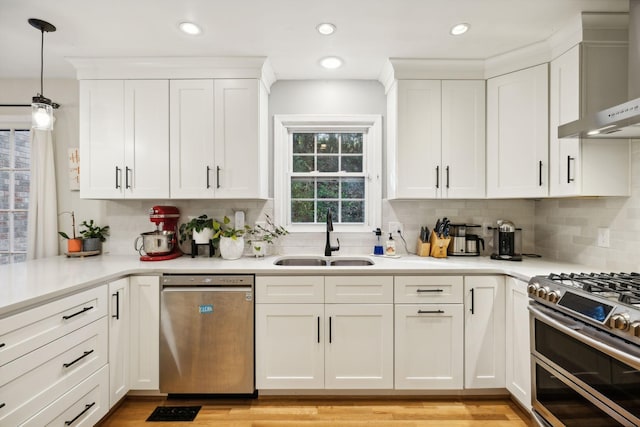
pixel 33 282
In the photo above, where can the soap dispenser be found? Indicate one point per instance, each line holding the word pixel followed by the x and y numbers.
pixel 390 249
pixel 377 248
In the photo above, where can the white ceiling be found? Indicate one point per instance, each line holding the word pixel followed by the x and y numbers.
pixel 369 31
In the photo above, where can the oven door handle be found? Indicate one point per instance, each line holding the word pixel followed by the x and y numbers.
pixel 624 355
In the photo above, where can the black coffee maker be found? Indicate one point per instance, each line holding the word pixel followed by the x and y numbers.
pixel 506 241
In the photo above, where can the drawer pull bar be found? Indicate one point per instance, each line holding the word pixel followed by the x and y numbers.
pixel 78 313
pixel 430 311
pixel 2 405
pixel 2 344
pixel 86 408
pixel 86 353
pixel 117 315
pixel 429 290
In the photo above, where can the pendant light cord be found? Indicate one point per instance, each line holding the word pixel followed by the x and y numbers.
pixel 41 61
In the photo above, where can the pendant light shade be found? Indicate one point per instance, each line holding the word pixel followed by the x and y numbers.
pixel 42 107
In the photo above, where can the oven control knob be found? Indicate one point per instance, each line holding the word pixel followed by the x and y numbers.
pixel 542 292
pixel 553 296
pixel 635 329
pixel 619 321
pixel 532 288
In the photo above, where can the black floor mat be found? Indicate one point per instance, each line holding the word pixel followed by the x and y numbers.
pixel 174 413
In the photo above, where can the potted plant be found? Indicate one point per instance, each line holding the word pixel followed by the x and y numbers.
pixel 74 244
pixel 200 229
pixel 231 238
pixel 93 236
pixel 261 237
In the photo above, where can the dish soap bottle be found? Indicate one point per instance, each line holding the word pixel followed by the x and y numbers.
pixel 390 249
pixel 377 248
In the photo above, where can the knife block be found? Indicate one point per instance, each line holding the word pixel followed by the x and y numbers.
pixel 423 248
pixel 439 245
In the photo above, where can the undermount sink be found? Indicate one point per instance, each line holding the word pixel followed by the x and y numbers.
pixel 322 261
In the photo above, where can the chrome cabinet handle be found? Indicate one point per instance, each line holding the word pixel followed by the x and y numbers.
pixel 73 362
pixel 86 408
pixel 76 314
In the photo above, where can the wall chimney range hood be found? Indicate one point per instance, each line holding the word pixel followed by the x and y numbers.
pixel 621 121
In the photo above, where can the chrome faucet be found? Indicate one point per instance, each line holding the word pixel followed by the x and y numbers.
pixel 327 247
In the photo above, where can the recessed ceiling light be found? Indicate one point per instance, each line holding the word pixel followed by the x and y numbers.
pixel 331 62
pixel 459 29
pixel 189 28
pixel 326 29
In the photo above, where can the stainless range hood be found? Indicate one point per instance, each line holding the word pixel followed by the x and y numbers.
pixel 620 121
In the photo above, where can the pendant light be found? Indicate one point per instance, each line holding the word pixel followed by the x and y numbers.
pixel 42 107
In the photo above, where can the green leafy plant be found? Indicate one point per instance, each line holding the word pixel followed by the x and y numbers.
pixel 195 224
pixel 223 229
pixel 267 234
pixel 93 231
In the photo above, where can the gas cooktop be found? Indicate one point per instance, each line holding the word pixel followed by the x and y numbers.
pixel 609 301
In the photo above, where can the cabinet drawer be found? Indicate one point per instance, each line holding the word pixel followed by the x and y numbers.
pixel 359 289
pixel 30 329
pixel 84 405
pixel 289 289
pixel 33 381
pixel 428 289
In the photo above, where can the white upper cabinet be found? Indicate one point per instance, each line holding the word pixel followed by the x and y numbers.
pixel 586 79
pixel 124 139
pixel 518 133
pixel 218 139
pixel 435 139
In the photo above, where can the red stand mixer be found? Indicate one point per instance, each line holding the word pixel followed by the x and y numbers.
pixel 161 244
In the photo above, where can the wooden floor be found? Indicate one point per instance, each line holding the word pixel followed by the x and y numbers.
pixel 324 412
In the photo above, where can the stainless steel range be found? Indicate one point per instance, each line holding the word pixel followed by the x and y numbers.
pixel 585 348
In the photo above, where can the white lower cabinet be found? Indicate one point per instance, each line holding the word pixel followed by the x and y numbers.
pixel 429 346
pixel 289 346
pixel 518 363
pixel 144 361
pixel 484 332
pixel 119 324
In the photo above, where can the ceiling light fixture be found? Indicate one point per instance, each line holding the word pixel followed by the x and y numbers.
pixel 326 29
pixel 331 62
pixel 459 29
pixel 42 107
pixel 189 28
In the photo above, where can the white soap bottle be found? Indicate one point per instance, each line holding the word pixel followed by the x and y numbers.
pixel 390 248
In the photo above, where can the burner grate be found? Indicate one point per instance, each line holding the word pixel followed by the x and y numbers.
pixel 623 287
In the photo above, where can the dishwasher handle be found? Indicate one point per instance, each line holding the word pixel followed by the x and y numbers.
pixel 207 289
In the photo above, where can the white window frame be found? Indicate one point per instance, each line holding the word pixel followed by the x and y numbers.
pixel 283 128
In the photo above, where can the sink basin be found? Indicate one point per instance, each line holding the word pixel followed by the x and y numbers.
pixel 322 261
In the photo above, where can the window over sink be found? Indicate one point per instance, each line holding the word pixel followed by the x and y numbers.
pixel 327 162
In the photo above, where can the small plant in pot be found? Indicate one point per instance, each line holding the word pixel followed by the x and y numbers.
pixel 231 239
pixel 93 235
pixel 260 236
pixel 199 229
pixel 74 244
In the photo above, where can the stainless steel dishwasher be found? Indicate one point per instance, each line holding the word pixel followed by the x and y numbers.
pixel 207 334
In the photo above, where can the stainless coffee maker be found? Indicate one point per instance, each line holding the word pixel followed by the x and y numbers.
pixel 462 243
pixel 506 241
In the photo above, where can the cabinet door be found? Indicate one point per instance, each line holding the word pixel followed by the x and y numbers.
pixel 484 332
pixel 239 151
pixel 118 340
pixel 463 139
pixel 145 333
pixel 417 153
pixel 564 107
pixel 102 139
pixel 289 346
pixel 191 140
pixel 518 133
pixel 359 346
pixel 518 364
pixel 429 346
pixel 146 165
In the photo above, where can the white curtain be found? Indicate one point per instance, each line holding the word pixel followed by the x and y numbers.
pixel 42 230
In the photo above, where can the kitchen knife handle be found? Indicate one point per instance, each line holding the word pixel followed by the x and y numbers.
pixel 447 176
pixel 540 173
pixel 330 330
pixel 126 177
pixel 217 176
pixel 569 179
pixel 318 329
pixel 208 170
pixel 437 176
pixel 117 315
pixel 117 173
pixel 472 302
